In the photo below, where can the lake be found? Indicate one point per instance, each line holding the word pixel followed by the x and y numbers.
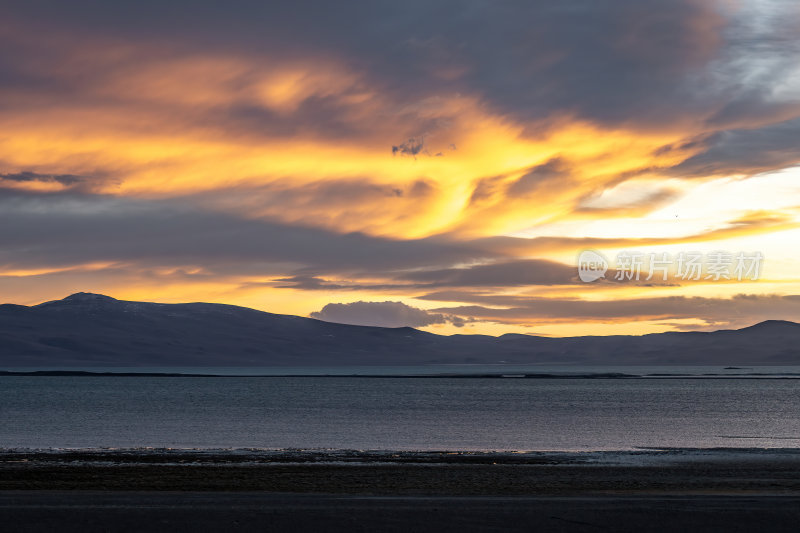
pixel 398 413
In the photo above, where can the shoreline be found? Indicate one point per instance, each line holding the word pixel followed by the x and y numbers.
pixel 155 455
pixel 685 489
pixel 460 375
pixel 670 471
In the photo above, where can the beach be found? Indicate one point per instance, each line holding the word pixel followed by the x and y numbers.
pixel 655 490
pixel 677 471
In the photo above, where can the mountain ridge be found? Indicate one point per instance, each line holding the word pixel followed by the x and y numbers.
pixel 87 329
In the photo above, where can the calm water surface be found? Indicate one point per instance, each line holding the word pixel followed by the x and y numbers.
pixel 397 413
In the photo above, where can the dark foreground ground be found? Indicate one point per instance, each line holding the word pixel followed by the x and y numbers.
pixel 246 511
pixel 673 490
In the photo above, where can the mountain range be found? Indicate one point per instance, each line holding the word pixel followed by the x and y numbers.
pixel 87 329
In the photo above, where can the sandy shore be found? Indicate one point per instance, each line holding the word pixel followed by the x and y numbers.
pixel 723 471
pixel 183 490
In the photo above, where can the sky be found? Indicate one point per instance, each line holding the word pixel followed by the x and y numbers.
pixel 441 165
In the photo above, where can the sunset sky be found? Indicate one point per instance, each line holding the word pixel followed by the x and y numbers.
pixel 436 164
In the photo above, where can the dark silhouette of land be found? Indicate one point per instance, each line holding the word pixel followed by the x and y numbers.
pixel 95 330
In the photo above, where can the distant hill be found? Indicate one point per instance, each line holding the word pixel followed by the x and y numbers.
pixel 95 330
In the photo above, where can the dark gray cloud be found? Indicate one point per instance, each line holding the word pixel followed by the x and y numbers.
pixel 26 176
pixel 746 151
pixel 528 272
pixel 533 272
pixel 56 230
pixel 757 68
pixel 383 314
pixel 606 61
pixel 412 147
pixel 48 230
pixel 742 309
pixel 505 274
pixel 609 61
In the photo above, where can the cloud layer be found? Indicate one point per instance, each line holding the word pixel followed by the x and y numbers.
pixel 392 156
